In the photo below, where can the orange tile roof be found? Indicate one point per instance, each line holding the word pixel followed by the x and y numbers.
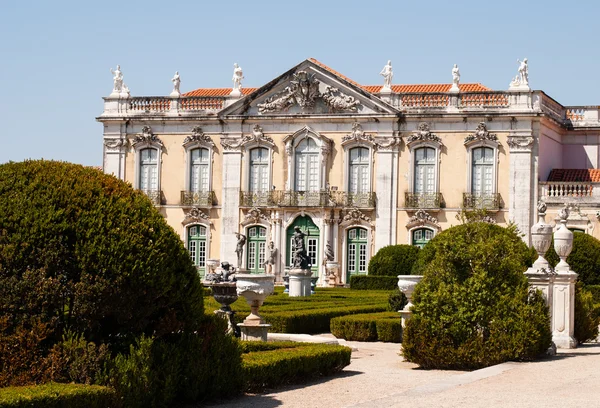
pixel 574 175
pixel 418 88
pixel 216 91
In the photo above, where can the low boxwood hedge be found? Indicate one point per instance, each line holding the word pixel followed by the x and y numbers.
pixel 266 365
pixel 385 327
pixel 368 282
pixel 55 395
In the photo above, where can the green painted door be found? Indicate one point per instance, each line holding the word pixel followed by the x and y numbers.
pixel 356 250
pixel 421 236
pixel 255 258
pixel 311 241
pixel 197 247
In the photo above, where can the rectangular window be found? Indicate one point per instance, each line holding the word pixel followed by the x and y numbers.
pixel 252 255
pixel 192 249
pixel 312 251
pixel 362 258
pixel 201 253
pixel 261 255
pixel 352 258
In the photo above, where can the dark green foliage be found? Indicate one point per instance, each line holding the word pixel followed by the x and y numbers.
pixel 385 327
pixel 587 316
pixel 85 252
pixel 393 260
pixel 55 395
pixel 76 360
pixel 287 364
pixel 595 291
pixel 368 282
pixel 473 307
pixel 396 301
pixel 180 367
pixel 583 259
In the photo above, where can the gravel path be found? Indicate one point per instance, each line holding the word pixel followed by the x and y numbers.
pixel 377 377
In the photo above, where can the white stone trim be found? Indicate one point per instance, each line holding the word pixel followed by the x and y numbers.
pixel 344 261
pixel 412 148
pixel 196 144
pixel 145 142
pixel 291 143
pixel 246 164
pixel 256 223
pixel 346 163
pixel 204 222
pixel 477 144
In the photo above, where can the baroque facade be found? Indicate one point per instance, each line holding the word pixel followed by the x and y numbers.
pixel 355 167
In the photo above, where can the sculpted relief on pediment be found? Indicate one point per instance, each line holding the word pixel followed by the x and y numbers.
pixel 306 91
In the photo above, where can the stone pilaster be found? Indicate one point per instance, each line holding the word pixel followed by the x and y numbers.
pixel 521 194
pixel 115 149
pixel 230 202
pixel 386 180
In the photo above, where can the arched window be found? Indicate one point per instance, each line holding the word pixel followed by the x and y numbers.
pixel 148 170
pixel 307 166
pixel 197 247
pixel 257 237
pixel 259 169
pixel 359 170
pixel 421 236
pixel 199 170
pixel 424 179
pixel 482 171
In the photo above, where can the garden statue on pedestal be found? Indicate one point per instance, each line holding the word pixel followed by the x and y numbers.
pixel 300 257
pixel 300 273
pixel 271 258
pixel 239 248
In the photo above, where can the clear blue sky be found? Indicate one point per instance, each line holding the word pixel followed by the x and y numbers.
pixel 55 55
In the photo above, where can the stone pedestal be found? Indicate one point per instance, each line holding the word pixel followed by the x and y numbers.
pixel 300 282
pixel 563 310
pixel 332 268
pixel 254 332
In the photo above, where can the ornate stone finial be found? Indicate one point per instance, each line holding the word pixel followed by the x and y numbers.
pixel 237 78
pixel 481 133
pixel 541 207
pixel 387 73
pixel 563 242
pixel 340 102
pixel 521 81
pixel 176 82
pixel 455 80
pixel 119 87
pixel 563 214
pixel 257 131
pixel 423 134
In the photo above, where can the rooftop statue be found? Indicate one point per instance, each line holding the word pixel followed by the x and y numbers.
pixel 117 80
pixel 523 72
pixel 238 75
pixel 387 74
pixel 176 82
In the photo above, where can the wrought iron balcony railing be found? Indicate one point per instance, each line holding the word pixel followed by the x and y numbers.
pixel 154 195
pixel 284 198
pixel 482 201
pixel 422 200
pixel 198 198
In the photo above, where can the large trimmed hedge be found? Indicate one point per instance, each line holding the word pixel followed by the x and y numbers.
pixel 82 250
pixel 473 307
pixel 386 327
pixel 393 260
pixel 266 365
pixel 55 395
pixel 368 282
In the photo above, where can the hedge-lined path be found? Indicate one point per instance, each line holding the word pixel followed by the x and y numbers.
pixel 377 377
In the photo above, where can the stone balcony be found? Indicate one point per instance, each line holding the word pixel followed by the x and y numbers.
pixel 490 202
pixel 285 198
pixel 197 198
pixel 560 193
pixel 426 201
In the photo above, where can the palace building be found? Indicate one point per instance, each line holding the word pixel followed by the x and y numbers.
pixel 355 167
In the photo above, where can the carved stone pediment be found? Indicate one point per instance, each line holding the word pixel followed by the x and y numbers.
pixel 354 216
pixel 423 134
pixel 358 136
pixel 302 91
pixel 198 137
pixel 257 136
pixel 147 137
pixel 481 134
pixel 195 215
pixel 422 218
pixel 520 143
pixel 254 216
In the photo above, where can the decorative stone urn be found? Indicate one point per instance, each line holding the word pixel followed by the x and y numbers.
pixel 541 238
pixel 254 288
pixel 406 284
pixel 563 242
pixel 212 264
pixel 225 294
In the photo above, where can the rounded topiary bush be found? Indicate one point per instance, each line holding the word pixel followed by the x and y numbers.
pixel 473 307
pixel 84 251
pixel 393 260
pixel 583 259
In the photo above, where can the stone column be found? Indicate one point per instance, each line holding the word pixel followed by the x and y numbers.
pixel 386 180
pixel 563 288
pixel 230 203
pixel 276 238
pixel 115 149
pixel 520 199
